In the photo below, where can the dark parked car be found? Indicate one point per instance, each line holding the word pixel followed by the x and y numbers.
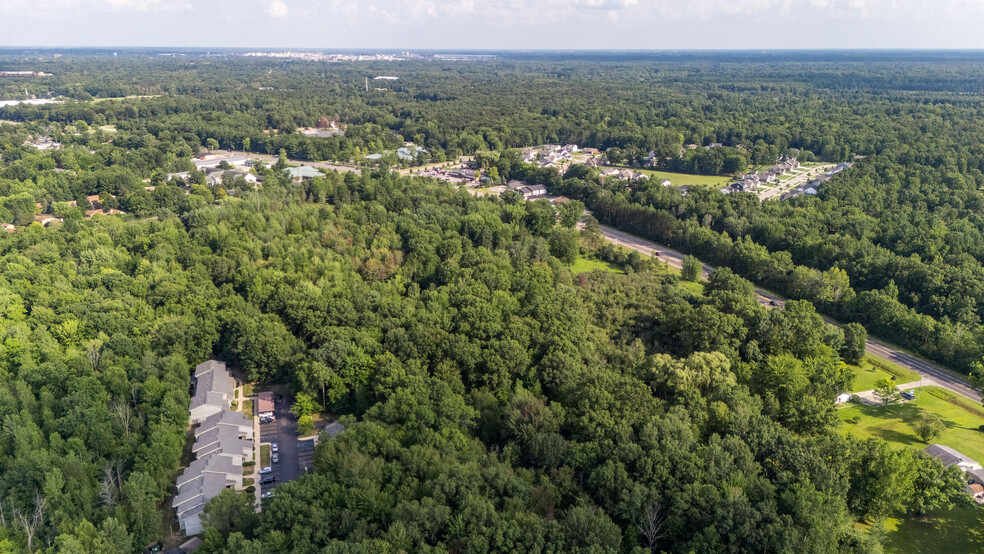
pixel 268 479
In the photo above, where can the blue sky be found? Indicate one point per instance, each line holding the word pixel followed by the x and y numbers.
pixel 496 24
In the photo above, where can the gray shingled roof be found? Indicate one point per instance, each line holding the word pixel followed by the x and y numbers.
pixel 947 455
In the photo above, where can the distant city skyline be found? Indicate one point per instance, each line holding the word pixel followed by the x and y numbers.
pixel 488 24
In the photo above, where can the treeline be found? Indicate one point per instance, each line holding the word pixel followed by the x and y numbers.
pixel 880 310
pixel 554 411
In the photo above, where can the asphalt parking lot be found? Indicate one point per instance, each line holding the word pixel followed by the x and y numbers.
pixel 283 432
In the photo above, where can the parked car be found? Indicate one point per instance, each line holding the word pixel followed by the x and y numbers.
pixel 273 448
pixel 275 458
pixel 266 470
pixel 267 495
pixel 268 479
pixel 773 303
pixel 909 394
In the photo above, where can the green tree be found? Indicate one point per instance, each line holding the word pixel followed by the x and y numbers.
pixel 691 269
pixel 928 426
pixel 855 343
pixel 305 425
pixel 304 405
pixel 887 391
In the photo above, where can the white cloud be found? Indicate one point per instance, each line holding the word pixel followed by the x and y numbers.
pixel 277 8
pixel 44 7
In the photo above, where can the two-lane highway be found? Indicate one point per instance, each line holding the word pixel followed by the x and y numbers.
pixel 875 347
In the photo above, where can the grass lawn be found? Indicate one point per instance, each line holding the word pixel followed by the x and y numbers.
pixel 893 423
pixel 264 455
pixel 584 265
pixel 680 179
pixel 866 375
pixel 870 371
pixel 248 407
pixel 248 389
pixel 696 288
pixel 958 530
pixel 902 374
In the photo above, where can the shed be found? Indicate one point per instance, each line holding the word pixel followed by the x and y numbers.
pixel 265 404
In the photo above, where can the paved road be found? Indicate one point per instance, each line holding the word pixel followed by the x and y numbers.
pixel 268 159
pixel 875 347
pixel 797 180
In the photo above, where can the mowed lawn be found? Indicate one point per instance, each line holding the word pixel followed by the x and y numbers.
pixel 867 374
pixel 680 179
pixel 894 423
pixel 960 530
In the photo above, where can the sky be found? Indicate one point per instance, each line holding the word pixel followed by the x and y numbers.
pixel 496 24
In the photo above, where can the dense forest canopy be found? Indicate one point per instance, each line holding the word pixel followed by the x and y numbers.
pixel 494 400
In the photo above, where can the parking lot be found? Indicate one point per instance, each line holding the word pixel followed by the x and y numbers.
pixel 293 456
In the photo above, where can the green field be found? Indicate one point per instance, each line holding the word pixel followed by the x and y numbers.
pixel 696 288
pixel 869 373
pixel 264 455
pixel 680 179
pixel 584 265
pixel 953 531
pixel 893 423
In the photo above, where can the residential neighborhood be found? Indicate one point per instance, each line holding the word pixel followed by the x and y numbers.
pixel 223 440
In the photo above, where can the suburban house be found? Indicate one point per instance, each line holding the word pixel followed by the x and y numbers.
pixel 45 219
pixel 264 405
pixel 570 147
pixel 213 176
pixel 590 151
pixel 665 182
pixel 9 228
pixel 213 390
pixel 972 469
pixel 527 191
pixel 303 172
pixel 223 441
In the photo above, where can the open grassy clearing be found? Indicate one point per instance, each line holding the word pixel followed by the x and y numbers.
pixel 680 179
pixel 953 531
pixel 872 370
pixel 894 423
pixel 584 265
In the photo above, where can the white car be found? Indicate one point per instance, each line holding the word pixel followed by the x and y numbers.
pixel 266 470
pixel 273 448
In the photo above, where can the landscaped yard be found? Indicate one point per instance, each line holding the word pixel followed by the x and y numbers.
pixel 264 455
pixel 953 531
pixel 893 423
pixel 584 265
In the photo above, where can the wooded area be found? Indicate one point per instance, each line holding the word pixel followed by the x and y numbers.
pixel 494 400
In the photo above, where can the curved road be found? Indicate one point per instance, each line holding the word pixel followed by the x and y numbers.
pixel 933 373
